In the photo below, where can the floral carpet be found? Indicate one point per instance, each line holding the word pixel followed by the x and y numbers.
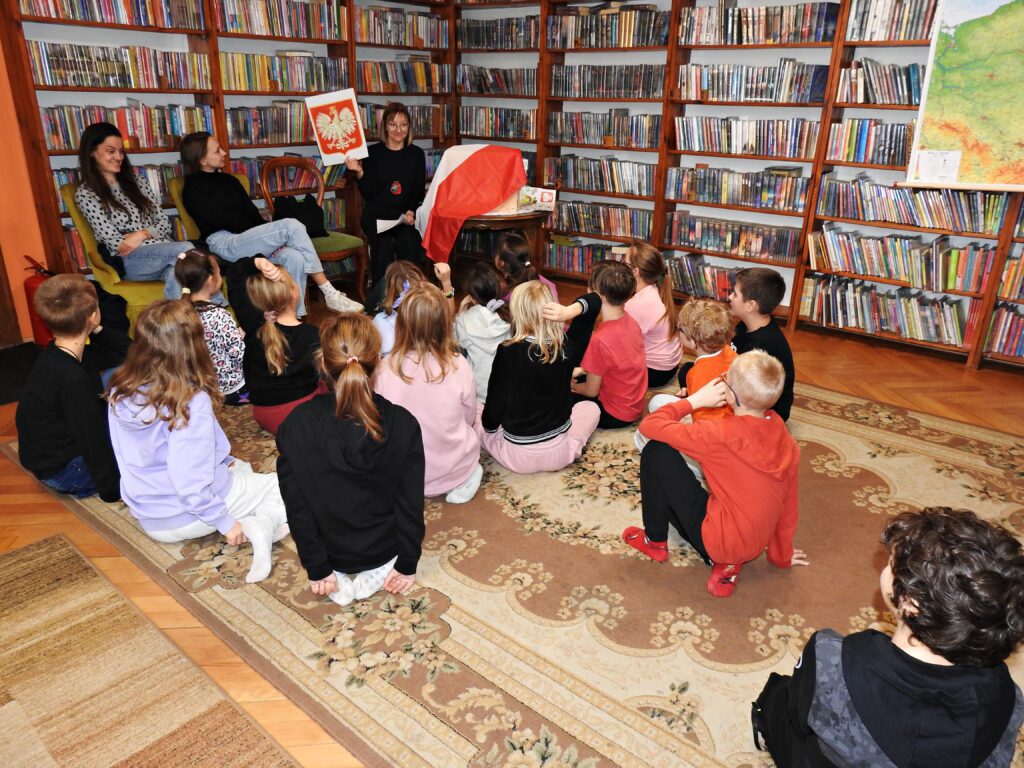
pixel 536 637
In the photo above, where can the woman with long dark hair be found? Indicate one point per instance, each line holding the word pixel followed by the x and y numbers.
pixel 124 212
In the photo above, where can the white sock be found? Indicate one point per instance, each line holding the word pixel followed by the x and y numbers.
pixel 466 491
pixel 346 592
pixel 281 532
pixel 368 582
pixel 260 532
pixel 327 288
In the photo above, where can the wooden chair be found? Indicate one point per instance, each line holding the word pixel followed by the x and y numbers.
pixel 137 294
pixel 343 248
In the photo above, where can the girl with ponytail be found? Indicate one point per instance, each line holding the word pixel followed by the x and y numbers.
pixel 654 310
pixel 351 470
pixel 278 360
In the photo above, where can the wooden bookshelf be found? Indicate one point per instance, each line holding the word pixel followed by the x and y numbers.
pixel 606 147
pixel 880 224
pixel 731 207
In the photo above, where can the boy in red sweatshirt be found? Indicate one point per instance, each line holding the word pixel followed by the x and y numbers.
pixel 750 464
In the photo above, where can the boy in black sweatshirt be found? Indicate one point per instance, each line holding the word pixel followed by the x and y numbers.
pixel 61 417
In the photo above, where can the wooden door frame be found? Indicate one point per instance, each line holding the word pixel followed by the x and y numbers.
pixel 10 329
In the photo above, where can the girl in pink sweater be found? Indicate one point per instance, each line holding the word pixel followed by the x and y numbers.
pixel 654 310
pixel 426 375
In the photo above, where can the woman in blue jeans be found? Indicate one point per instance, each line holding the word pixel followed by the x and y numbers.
pixel 124 212
pixel 233 228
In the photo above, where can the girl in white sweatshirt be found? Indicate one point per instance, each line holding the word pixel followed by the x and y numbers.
pixel 482 323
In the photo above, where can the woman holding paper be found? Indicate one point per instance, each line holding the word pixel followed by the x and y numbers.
pixel 233 228
pixel 392 181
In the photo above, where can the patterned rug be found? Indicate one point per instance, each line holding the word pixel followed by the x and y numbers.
pixel 537 638
pixel 87 680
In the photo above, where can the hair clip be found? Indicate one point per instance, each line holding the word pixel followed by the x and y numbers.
pixel 270 317
pixel 352 359
pixel 495 304
pixel 186 291
pixel 526 263
pixel 182 255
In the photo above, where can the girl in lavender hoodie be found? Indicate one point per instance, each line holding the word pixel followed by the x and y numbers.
pixel 178 476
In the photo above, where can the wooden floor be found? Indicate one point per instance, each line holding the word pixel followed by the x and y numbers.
pixel 889 373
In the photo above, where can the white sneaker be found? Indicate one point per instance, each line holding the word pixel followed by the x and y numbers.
pixel 466 491
pixel 339 302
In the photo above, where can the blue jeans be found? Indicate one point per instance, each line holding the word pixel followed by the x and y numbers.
pixel 284 242
pixel 74 479
pixel 156 262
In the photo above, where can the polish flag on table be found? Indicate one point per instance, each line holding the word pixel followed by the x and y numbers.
pixel 471 179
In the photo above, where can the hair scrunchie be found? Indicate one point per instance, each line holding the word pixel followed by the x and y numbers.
pixel 495 304
pixel 351 359
pixel 186 291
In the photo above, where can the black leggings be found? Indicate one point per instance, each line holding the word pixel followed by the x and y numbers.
pixel 671 493
pixel 656 378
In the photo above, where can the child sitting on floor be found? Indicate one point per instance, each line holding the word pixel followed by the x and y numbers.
pixel 278 360
pixel 399 277
pixel 178 476
pixel 653 307
pixel 937 693
pixel 61 417
pixel 351 472
pixel 482 323
pixel 755 295
pixel 750 462
pixel 529 423
pixel 512 258
pixel 426 375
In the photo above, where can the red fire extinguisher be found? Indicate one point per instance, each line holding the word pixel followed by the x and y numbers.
pixel 40 333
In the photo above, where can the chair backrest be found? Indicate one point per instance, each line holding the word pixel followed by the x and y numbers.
pixel 176 187
pixel 276 170
pixel 103 272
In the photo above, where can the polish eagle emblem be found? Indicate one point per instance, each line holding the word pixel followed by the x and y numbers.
pixel 337 129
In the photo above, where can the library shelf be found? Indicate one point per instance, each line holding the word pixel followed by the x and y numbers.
pixel 117 89
pixel 425 3
pixel 610 48
pixel 497 4
pixel 893 281
pixel 127 151
pixel 111 25
pixel 873 166
pixel 734 207
pixel 532 49
pixel 281 38
pixel 750 46
pixel 401 47
pixel 610 147
pixel 745 156
pixel 607 99
pixel 887 336
pixel 856 105
pixel 303 94
pixel 1017 239
pixel 397 92
pixel 601 193
pixel 1011 301
pixel 596 235
pixel 887 43
pixel 478 137
pixel 788 104
pixel 909 227
pixel 271 145
pixel 473 95
pixel 731 256
pixel 999 357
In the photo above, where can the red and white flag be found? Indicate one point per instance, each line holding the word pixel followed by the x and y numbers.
pixel 471 179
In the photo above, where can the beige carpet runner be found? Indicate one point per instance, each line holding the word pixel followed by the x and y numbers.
pixel 87 680
pixel 537 638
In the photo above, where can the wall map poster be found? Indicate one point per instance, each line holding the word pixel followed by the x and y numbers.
pixel 971 122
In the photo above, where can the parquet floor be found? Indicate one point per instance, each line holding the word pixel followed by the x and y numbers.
pixel 992 397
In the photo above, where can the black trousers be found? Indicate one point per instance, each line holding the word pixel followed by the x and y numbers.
pixel 671 493
pixel 656 378
pixel 401 242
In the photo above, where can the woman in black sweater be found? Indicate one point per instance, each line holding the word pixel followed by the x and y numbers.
pixel 392 181
pixel 351 471
pixel 529 423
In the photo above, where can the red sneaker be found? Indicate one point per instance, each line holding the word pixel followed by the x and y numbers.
pixel 723 579
pixel 637 539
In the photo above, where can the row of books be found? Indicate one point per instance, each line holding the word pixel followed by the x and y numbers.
pixel 393 26
pixel 143 126
pixel 173 14
pixel 506 34
pixel 693 275
pixel 955 210
pixel 766 25
pixel 619 81
pixel 312 19
pixel 1012 284
pixel 601 219
pixel 297 72
pixel 870 82
pixel 516 81
pixel 1006 334
pixel 132 66
pixel 499 122
pixel 626 29
pixel 903 312
pixel 779 188
pixel 790 137
pixel 863 140
pixel 283 122
pixel 934 266
pixel 788 81
pixel 571 254
pixel 616 126
pixel 426 120
pixel 410 76
pixel 604 174
pixel 733 238
pixel 890 19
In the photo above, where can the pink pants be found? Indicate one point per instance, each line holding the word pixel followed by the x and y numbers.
pixel 549 456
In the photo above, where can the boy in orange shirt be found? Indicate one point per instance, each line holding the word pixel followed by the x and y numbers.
pixel 750 462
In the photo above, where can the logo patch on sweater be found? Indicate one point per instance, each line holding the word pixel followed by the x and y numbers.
pixel 396 187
